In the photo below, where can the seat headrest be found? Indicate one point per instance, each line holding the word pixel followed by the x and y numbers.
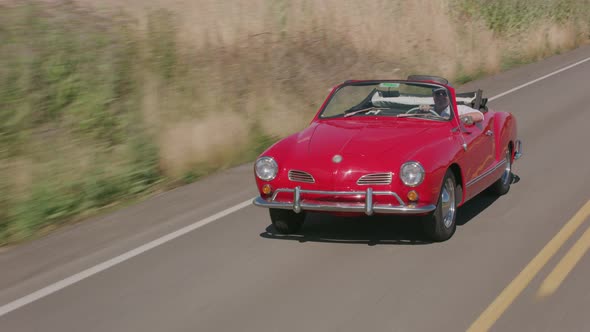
pixel 389 94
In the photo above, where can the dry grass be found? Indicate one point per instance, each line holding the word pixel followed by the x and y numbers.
pixel 274 61
pixel 215 138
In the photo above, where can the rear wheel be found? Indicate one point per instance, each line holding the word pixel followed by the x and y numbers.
pixel 502 185
pixel 286 221
pixel 440 225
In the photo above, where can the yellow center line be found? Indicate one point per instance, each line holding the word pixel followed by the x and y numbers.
pixel 565 266
pixel 485 321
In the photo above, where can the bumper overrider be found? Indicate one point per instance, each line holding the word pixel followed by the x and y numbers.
pixel 518 150
pixel 368 207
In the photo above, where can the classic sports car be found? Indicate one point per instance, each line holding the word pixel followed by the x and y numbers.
pixel 385 147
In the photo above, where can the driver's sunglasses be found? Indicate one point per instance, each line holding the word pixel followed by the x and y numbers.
pixel 440 93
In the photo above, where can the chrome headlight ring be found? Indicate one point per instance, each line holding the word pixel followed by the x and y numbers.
pixel 412 173
pixel 266 168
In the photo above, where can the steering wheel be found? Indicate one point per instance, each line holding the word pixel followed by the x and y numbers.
pixel 418 110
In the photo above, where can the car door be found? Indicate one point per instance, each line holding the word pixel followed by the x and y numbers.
pixel 479 153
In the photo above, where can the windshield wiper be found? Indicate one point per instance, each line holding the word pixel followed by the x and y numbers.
pixel 359 111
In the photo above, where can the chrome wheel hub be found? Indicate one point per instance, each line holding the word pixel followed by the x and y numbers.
pixel 448 203
pixel 508 170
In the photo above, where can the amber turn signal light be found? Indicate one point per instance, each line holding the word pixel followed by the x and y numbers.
pixel 266 189
pixel 412 195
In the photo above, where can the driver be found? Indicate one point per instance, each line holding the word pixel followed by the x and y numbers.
pixel 442 107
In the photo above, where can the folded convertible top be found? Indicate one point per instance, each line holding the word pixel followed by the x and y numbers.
pixel 473 99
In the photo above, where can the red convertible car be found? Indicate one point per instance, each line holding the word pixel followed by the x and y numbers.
pixel 397 147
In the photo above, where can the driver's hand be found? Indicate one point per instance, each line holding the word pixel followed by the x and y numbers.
pixel 466 119
pixel 424 108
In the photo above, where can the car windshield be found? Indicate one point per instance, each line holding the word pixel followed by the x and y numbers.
pixel 393 99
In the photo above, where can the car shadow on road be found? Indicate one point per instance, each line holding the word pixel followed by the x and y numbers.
pixel 371 231
pixel 478 204
pixel 475 206
pixel 375 230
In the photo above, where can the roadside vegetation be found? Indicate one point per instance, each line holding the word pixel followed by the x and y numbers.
pixel 100 106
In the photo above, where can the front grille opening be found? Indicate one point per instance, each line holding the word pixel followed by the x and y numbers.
pixel 376 178
pixel 300 176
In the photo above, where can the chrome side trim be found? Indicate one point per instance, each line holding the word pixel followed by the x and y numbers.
pixel 481 176
pixel 368 207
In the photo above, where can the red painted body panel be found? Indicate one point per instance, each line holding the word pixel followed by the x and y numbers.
pixel 382 144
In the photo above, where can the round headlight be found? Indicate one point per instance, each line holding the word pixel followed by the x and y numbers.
pixel 266 168
pixel 412 173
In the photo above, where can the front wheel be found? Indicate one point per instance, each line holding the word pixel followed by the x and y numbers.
pixel 440 225
pixel 286 221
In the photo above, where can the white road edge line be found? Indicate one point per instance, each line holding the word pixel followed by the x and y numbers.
pixel 116 260
pixel 538 79
pixel 43 292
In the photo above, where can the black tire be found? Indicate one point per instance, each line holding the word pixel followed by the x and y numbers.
pixel 502 185
pixel 286 221
pixel 440 225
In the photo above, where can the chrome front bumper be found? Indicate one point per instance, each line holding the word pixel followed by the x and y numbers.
pixel 366 207
pixel 518 149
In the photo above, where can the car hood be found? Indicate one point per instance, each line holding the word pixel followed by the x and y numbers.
pixel 366 146
pixel 366 140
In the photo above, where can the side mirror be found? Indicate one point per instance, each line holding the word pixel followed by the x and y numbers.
pixel 466 120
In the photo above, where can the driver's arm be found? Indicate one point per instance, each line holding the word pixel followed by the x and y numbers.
pixel 474 117
pixel 469 115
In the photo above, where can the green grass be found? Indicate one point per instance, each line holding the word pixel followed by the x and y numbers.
pixel 463 77
pixel 512 16
pixel 69 84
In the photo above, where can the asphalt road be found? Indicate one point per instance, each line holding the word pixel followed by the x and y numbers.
pixel 233 273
